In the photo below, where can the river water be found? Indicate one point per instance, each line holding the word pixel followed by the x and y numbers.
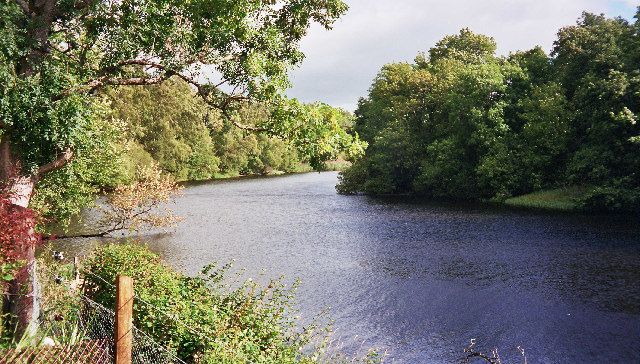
pixel 420 280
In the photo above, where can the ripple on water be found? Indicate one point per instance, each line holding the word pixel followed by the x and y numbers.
pixel 421 279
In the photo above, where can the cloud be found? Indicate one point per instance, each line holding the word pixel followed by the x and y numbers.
pixel 341 63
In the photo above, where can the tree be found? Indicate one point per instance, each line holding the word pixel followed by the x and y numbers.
pixel 431 123
pixel 167 121
pixel 597 62
pixel 462 123
pixel 55 55
pixel 466 46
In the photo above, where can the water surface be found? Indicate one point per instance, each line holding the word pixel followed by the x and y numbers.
pixel 420 280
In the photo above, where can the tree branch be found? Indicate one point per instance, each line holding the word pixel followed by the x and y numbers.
pixel 103 81
pixel 79 236
pixel 23 5
pixel 60 161
pixel 201 90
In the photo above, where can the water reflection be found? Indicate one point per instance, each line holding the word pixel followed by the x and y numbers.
pixel 421 279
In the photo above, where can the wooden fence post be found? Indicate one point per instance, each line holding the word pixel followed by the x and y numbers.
pixel 124 319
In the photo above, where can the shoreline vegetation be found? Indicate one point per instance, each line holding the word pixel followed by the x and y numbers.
pixel 565 199
pixel 214 316
pixel 189 142
pixel 338 165
pixel 204 145
pixel 463 123
pixel 559 199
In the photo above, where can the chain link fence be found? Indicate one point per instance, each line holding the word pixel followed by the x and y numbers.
pixel 89 351
pixel 99 324
pixel 85 334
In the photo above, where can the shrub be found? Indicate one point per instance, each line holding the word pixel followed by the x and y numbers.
pixel 612 198
pixel 200 318
pixel 16 225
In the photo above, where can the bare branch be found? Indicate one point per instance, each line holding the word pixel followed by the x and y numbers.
pixel 79 236
pixel 132 81
pixel 130 62
pixel 248 127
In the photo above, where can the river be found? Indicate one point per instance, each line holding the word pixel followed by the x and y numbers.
pixel 420 280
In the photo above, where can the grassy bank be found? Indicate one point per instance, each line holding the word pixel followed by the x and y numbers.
pixel 559 199
pixel 303 168
pixel 338 165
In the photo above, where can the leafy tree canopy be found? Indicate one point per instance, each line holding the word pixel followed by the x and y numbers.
pixel 55 54
pixel 463 123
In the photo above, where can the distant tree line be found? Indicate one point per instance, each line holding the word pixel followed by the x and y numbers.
pixel 168 127
pixel 463 123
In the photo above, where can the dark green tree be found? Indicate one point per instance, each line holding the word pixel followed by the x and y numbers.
pixel 596 61
pixel 463 123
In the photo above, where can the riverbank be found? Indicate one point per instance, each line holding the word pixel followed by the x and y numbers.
pixel 405 275
pixel 424 266
pixel 559 199
pixel 337 165
pixel 251 322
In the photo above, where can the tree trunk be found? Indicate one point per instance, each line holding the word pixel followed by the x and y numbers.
pixel 22 292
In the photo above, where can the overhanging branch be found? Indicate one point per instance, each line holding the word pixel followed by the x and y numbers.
pixel 60 161
pixel 100 82
pixel 201 89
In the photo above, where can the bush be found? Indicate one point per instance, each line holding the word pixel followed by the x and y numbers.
pixel 199 317
pixel 612 198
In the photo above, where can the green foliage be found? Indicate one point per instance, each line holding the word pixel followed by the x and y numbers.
pixel 55 57
pixel 601 77
pixel 38 126
pixel 7 270
pixel 615 196
pixel 250 153
pixel 166 122
pixel 317 131
pixel 465 47
pixel 210 318
pixel 202 316
pixel 463 123
pixel 97 165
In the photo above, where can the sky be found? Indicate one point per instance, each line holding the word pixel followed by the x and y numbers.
pixel 340 64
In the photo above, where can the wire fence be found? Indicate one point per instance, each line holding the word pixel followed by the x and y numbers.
pixel 83 338
pixel 88 351
pixel 86 334
pixel 99 324
pixel 152 307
